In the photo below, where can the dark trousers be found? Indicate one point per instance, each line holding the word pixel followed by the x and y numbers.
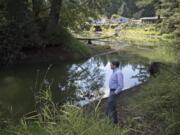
pixel 111 111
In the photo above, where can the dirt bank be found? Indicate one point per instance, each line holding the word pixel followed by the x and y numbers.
pixel 58 53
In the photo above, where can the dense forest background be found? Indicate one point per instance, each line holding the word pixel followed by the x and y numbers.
pixel 40 23
pixel 148 8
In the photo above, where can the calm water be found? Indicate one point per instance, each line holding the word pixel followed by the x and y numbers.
pixel 79 82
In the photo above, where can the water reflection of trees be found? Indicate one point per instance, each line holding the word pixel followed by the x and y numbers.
pixel 71 82
pixel 85 80
pixel 125 60
pixel 142 73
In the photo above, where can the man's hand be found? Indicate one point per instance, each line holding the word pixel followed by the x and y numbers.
pixel 113 93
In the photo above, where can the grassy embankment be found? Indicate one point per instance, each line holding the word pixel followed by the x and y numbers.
pixel 60 46
pixel 146 35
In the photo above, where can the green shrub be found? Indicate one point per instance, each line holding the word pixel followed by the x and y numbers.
pixel 63 38
pixel 14 37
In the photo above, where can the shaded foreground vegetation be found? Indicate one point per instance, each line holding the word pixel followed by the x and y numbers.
pixel 52 119
pixel 153 110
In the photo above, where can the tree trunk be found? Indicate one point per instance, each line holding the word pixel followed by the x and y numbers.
pixel 35 7
pixel 54 16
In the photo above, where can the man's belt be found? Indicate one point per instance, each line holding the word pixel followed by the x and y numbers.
pixel 113 90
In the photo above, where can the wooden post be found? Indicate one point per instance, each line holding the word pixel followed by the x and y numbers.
pixel 89 41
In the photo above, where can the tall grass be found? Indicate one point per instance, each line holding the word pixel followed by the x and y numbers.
pixel 51 119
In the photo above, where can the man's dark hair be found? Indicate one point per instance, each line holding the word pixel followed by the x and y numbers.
pixel 115 62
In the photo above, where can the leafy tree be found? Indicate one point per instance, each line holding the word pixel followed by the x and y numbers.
pixel 170 9
pixel 32 23
pixel 38 6
pixel 147 7
pixel 74 13
pixel 54 15
pixel 16 10
pixel 112 7
pixel 122 7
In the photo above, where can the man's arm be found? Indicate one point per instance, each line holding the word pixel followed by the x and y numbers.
pixel 120 83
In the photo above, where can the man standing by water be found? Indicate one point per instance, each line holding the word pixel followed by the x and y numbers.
pixel 116 85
